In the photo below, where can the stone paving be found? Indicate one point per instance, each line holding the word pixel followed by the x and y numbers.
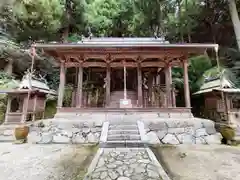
pixel 124 164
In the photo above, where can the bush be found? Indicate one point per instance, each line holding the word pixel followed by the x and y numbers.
pixel 50 109
pixel 228 133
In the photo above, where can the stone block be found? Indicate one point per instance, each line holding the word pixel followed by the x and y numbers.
pixel 34 137
pixel 8 132
pixel 189 130
pixel 86 130
pixel 186 139
pixel 158 126
pixel 67 133
pixel 6 138
pixel 210 130
pixel 179 123
pixel 213 139
pixel 152 138
pixel 78 139
pixel 91 138
pixel 207 123
pixel 175 115
pixel 76 130
pixel 200 140
pixel 176 130
pixel 46 138
pixel 161 134
pixel 61 139
pixel 170 139
pixel 163 115
pixel 201 132
pixel 198 124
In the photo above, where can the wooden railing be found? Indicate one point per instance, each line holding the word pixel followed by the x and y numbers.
pixel 159 96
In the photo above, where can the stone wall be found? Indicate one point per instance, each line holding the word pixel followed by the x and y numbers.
pixel 65 131
pixel 181 131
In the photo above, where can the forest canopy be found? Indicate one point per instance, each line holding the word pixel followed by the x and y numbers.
pixel 204 21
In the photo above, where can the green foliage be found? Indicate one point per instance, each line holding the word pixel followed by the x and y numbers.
pixel 50 109
pixel 197 67
pixel 24 21
pixel 109 17
pixel 36 19
pixel 6 82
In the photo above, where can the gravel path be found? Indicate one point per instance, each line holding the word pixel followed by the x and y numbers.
pixel 42 162
pixel 199 162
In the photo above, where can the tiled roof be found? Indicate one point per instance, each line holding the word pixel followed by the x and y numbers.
pixel 35 84
pixel 226 86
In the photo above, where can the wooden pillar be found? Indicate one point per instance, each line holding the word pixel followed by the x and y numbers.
pixel 168 83
pixel 186 84
pixel 34 107
pixel 44 107
pixel 140 93
pixel 149 84
pixel 172 93
pixel 9 102
pixel 108 85
pixel 74 92
pixel 61 85
pixel 25 109
pixel 173 97
pixel 79 92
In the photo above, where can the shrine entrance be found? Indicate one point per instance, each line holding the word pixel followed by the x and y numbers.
pixel 117 79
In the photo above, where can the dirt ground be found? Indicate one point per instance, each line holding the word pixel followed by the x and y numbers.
pixel 200 162
pixel 44 162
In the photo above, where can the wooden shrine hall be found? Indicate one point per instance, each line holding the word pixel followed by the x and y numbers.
pixel 122 73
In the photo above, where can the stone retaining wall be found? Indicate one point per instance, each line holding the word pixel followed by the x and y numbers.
pixel 65 131
pixel 181 131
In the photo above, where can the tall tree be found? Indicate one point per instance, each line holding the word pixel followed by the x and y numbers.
pixel 235 20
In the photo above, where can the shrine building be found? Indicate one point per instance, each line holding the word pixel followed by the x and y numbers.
pixel 116 74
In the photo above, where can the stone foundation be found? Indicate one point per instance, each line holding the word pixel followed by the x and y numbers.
pixel 181 131
pixel 65 131
pixel 87 128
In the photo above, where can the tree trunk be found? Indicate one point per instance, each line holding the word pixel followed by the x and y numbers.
pixel 179 20
pixel 188 27
pixel 235 20
pixel 9 67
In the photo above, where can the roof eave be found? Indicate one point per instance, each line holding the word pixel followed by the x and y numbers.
pixel 122 45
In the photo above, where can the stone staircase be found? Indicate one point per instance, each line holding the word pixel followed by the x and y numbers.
pixel 123 133
pixel 117 95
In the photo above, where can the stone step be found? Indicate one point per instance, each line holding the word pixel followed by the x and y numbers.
pixel 123 121
pixel 110 132
pixel 123 127
pixel 127 143
pixel 124 137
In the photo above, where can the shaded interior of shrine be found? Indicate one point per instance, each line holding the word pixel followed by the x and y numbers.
pixel 94 84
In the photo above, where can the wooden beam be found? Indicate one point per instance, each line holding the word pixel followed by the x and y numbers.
pixel 153 64
pixel 120 64
pixel 85 64
pixel 94 64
